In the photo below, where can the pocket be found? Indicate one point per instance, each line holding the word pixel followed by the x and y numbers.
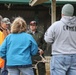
pixel 52 63
pixel 57 62
pixel 74 59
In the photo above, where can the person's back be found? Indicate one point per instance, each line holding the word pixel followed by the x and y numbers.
pixel 17 49
pixel 21 48
pixel 62 36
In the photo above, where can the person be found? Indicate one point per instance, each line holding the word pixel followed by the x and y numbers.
pixel 17 49
pixel 62 35
pixel 4 31
pixel 38 36
pixel 0 32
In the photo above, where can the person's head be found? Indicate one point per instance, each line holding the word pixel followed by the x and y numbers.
pixel 67 10
pixel 19 25
pixel 5 23
pixel 33 25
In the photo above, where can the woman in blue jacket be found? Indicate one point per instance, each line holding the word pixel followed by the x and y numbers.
pixel 17 49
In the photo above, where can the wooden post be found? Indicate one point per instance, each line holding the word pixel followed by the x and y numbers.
pixel 53 11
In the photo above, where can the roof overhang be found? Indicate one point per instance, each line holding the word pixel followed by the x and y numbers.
pixel 48 2
pixel 37 2
pixel 65 1
pixel 15 1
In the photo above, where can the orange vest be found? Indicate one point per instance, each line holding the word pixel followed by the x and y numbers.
pixel 2 61
pixel 1 37
pixel 3 34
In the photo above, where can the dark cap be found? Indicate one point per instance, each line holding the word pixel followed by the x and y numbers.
pixel 6 20
pixel 33 22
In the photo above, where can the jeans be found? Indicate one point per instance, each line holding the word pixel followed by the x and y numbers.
pixel 4 70
pixel 0 71
pixel 63 64
pixel 23 71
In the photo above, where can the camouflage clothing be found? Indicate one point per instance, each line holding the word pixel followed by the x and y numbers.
pixel 38 36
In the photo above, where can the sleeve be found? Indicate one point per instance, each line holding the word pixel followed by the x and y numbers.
pixel 34 46
pixel 49 35
pixel 42 44
pixel 3 49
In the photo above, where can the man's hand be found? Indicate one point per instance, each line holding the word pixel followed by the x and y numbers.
pixel 40 51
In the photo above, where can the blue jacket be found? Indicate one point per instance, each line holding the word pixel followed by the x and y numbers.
pixel 17 49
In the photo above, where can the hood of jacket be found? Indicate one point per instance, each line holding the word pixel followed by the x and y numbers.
pixel 69 21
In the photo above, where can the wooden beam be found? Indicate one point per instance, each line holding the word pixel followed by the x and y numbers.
pixel 53 11
pixel 36 2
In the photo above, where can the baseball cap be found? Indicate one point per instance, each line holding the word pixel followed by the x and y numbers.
pixel 68 10
pixel 33 22
pixel 6 20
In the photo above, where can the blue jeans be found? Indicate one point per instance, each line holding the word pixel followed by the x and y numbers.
pixel 4 70
pixel 63 64
pixel 0 71
pixel 23 71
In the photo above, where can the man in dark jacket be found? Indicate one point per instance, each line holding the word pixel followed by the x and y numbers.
pixel 38 36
